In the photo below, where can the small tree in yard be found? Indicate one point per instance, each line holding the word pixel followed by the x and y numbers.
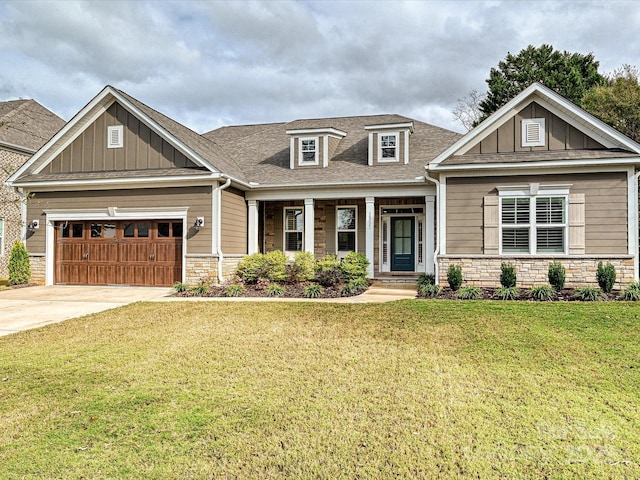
pixel 454 277
pixel 507 275
pixel 556 275
pixel 606 276
pixel 19 266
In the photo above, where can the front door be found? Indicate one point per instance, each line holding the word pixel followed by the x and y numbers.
pixel 402 244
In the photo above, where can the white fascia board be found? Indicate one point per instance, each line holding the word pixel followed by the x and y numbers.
pixel 110 184
pixel 575 169
pixel 316 131
pixel 141 213
pixel 418 189
pixel 538 164
pixel 387 126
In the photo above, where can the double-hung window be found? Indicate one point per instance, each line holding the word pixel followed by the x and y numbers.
pixel 293 229
pixel 308 151
pixel 534 223
pixel 388 151
pixel 346 228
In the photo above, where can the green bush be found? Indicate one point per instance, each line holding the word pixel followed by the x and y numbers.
pixel 303 267
pixel 429 290
pixel 426 279
pixel 507 293
pixel 588 294
pixel 275 290
pixel 542 292
pixel 328 272
pixel 556 275
pixel 360 283
pixel 631 292
pixel 313 291
pixel 328 262
pixel 454 277
pixel 199 290
pixel 469 293
pixel 251 268
pixel 606 276
pixel 354 265
pixel 19 266
pixel 275 266
pixel 233 290
pixel 180 287
pixel 507 275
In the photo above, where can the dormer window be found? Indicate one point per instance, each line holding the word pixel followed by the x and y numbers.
pixel 389 147
pixel 309 151
pixel 533 132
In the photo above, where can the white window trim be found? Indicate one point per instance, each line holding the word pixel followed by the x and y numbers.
pixel 540 142
pixel 3 233
pixel 533 192
pixel 115 132
pixel 396 158
pixel 354 230
pixel 301 161
pixel 285 230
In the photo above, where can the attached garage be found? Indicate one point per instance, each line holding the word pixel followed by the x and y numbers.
pixel 129 252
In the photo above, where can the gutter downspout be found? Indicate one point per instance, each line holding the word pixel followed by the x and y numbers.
pixel 436 252
pixel 636 263
pixel 219 226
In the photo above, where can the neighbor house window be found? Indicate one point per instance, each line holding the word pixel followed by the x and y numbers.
pixel 533 224
pixel 346 228
pixel 308 151
pixel 533 132
pixel 1 237
pixel 293 229
pixel 115 136
pixel 388 151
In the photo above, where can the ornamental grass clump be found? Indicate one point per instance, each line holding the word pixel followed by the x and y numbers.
pixel 542 293
pixel 606 276
pixel 429 290
pixel 454 277
pixel 469 293
pixel 233 290
pixel 275 290
pixel 506 293
pixel 313 291
pixel 588 294
pixel 556 275
pixel 631 292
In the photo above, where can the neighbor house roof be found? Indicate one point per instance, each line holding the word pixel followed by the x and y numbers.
pixel 263 151
pixel 26 125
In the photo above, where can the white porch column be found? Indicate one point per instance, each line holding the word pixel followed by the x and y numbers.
pixel 252 227
pixel 369 236
pixel 430 220
pixel 309 225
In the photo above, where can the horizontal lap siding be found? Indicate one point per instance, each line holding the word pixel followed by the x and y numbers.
pixel 234 222
pixel 605 209
pixel 197 199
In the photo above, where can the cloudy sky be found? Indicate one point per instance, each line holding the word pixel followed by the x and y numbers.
pixel 208 64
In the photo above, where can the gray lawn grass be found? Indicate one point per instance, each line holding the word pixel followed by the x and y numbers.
pixel 412 389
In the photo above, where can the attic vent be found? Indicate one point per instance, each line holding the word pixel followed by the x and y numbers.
pixel 115 136
pixel 533 132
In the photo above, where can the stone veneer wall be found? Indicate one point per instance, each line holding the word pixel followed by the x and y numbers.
pixel 38 269
pixel 484 271
pixel 9 206
pixel 199 266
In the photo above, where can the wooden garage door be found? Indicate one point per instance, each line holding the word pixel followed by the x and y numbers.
pixel 133 252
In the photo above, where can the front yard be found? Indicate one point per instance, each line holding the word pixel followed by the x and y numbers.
pixel 413 389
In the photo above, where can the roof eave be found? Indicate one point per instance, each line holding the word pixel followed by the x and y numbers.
pixel 542 164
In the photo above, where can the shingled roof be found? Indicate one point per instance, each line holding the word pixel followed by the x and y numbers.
pixel 263 151
pixel 27 125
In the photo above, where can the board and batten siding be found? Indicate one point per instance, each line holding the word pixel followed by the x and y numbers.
pixel 197 199
pixel 234 222
pixel 142 149
pixel 605 209
pixel 559 135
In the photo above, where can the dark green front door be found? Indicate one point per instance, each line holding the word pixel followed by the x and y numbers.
pixel 402 244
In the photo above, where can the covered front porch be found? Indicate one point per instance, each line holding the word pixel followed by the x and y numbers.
pixel 396 233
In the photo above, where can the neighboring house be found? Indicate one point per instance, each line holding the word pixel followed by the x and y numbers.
pixel 125 195
pixel 25 126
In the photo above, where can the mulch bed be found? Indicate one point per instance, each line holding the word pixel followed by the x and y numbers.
pixel 566 295
pixel 290 291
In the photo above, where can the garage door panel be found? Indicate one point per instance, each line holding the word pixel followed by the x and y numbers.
pixel 102 274
pixel 166 252
pixel 70 251
pixel 131 252
pixel 102 252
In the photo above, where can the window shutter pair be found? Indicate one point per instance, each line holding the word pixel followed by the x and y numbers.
pixel 576 224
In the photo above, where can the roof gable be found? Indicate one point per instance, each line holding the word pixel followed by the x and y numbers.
pixel 568 127
pixel 26 125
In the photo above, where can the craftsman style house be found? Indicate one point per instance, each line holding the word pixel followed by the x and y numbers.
pixel 125 195
pixel 25 126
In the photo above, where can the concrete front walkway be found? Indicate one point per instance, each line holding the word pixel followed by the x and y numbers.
pixel 33 307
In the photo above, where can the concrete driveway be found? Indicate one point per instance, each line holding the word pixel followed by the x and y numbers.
pixel 32 307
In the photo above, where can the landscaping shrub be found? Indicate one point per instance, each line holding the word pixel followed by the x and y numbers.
pixel 275 290
pixel 606 276
pixel 588 294
pixel 303 268
pixel 454 277
pixel 275 266
pixel 556 275
pixel 429 290
pixel 199 290
pixel 507 293
pixel 328 272
pixel 354 266
pixel 233 290
pixel 542 292
pixel 19 266
pixel 469 293
pixel 180 287
pixel 251 268
pixel 507 275
pixel 426 279
pixel 631 292
pixel 313 291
